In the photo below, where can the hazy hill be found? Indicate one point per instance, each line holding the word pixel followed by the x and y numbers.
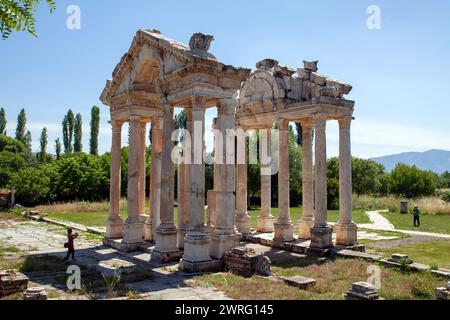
pixel 434 160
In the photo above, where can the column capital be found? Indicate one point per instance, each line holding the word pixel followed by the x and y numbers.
pixel 283 124
pixel 226 106
pixel 198 102
pixel 345 122
pixel 307 126
pixel 135 120
pixel 116 125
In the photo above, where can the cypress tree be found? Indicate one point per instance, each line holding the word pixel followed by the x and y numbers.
pixel 65 132
pixel 2 121
pixel 21 124
pixel 95 124
pixel 43 145
pixel 78 134
pixel 27 140
pixel 58 149
pixel 71 127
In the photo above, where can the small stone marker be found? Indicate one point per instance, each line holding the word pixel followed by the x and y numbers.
pixel 443 293
pixel 36 293
pixel 12 282
pixel 299 282
pixel 362 291
pixel 404 207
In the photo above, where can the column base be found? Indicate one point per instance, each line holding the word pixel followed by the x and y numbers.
pixel 114 229
pixel 221 243
pixel 196 247
pixel 148 231
pixel 321 237
pixel 133 232
pixel 202 266
pixel 283 232
pixel 166 249
pixel 182 231
pixel 265 224
pixel 346 234
pixel 304 227
pixel 243 224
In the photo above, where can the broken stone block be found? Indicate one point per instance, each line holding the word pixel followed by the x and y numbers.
pixel 12 282
pixel 362 291
pixel 115 267
pixel 299 282
pixel 36 293
pixel 246 262
pixel 400 258
pixel 310 65
pixel 443 293
pixel 34 213
pixel 444 273
pixel 267 63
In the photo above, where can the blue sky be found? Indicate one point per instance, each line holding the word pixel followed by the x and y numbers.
pixel 400 73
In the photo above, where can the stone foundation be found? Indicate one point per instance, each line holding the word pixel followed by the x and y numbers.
pixel 201 266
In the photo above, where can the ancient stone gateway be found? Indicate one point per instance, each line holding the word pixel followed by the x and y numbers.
pixel 158 74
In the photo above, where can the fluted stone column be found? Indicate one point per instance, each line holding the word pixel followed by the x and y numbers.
pixel 114 223
pixel 321 233
pixel 166 248
pixel 224 236
pixel 346 230
pixel 196 243
pixel 307 220
pixel 284 230
pixel 265 219
pixel 243 219
pixel 133 228
pixel 155 181
pixel 142 165
pixel 183 225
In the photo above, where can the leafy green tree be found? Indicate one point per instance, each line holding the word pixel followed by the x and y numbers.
pixel 21 126
pixel 35 185
pixel 78 134
pixel 28 140
pixel 298 133
pixel 58 149
pixel 95 125
pixel 18 15
pixel 10 162
pixel 444 180
pixel 3 121
pixel 43 141
pixel 411 182
pixel 366 175
pixel 180 120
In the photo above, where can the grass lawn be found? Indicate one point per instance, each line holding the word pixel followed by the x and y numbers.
pixel 428 222
pixel 433 253
pixel 334 278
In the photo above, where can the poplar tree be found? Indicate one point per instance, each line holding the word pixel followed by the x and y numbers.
pixel 58 149
pixel 78 134
pixel 21 124
pixel 95 125
pixel 27 140
pixel 43 145
pixel 2 121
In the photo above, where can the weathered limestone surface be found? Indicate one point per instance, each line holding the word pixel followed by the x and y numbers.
pixel 307 220
pixel 246 262
pixel 362 291
pixel 243 219
pixel 12 282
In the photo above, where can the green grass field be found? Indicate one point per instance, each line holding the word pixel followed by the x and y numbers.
pixel 428 222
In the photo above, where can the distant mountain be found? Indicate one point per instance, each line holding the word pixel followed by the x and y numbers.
pixel 434 160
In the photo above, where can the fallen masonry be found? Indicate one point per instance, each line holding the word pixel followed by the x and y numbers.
pixel 36 293
pixel 299 282
pixel 443 293
pixel 12 282
pixel 246 262
pixel 362 291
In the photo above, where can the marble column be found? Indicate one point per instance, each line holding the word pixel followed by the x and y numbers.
pixel 133 228
pixel 196 243
pixel 307 220
pixel 142 165
pixel 243 219
pixel 114 223
pixel 224 236
pixel 284 230
pixel 346 230
pixel 321 232
pixel 166 248
pixel 265 220
pixel 155 181
pixel 183 224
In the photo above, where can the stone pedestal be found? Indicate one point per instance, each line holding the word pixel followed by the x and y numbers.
pixel 196 252
pixel 284 232
pixel 182 231
pixel 133 232
pixel 265 224
pixel 321 237
pixel 114 229
pixel 166 249
pixel 222 243
pixel 148 230
pixel 304 227
pixel 346 234
pixel 243 224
